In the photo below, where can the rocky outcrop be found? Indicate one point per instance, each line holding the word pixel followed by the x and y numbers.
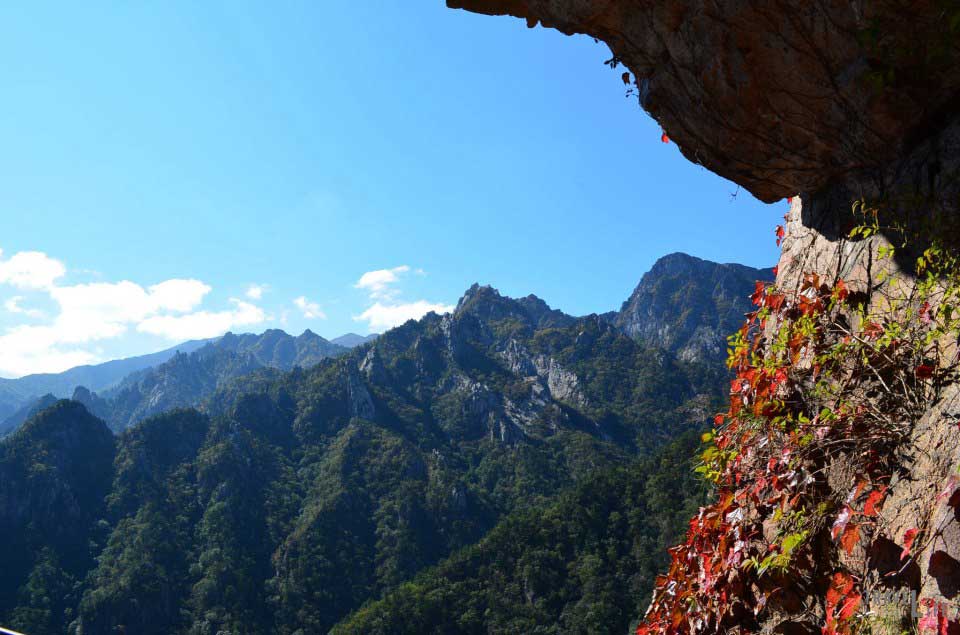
pixel 918 194
pixel 780 97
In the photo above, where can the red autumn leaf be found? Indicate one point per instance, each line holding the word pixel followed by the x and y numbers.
pixel 789 200
pixel 855 494
pixel 908 537
pixel 811 281
pixel 758 290
pixel 664 138
pixel 840 291
pixel 780 376
pixel 775 301
pixel 626 78
pixel 776 270
pixel 870 508
pixel 925 316
pixel 718 420
pixel 780 232
pixel 924 371
pixel 850 538
pixel 872 330
pixel 840 586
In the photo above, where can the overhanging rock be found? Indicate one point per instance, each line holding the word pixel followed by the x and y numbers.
pixel 781 97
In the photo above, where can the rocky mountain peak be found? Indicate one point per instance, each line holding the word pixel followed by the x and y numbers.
pixel 689 305
pixel 487 304
pixel 229 341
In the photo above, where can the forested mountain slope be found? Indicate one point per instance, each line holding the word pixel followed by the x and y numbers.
pixel 583 564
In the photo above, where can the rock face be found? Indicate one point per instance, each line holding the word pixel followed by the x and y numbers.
pixel 689 305
pixel 780 97
pixel 920 188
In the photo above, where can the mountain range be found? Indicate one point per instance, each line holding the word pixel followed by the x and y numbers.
pixel 313 481
pixel 20 392
pixel 683 304
pixel 124 391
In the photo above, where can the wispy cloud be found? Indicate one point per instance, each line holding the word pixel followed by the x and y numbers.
pixel 379 283
pixel 387 310
pixel 310 310
pixel 12 305
pixel 256 291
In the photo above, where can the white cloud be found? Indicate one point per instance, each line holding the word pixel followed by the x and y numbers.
pixel 378 283
pixel 34 349
pixel 178 295
pixel 203 324
pixel 31 270
pixel 12 305
pixel 255 291
pixel 387 310
pixel 97 311
pixel 310 310
pixel 381 317
pixel 102 310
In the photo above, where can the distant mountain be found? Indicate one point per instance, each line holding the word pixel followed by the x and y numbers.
pixel 16 393
pixel 352 340
pixel 689 306
pixel 276 349
pixel 187 379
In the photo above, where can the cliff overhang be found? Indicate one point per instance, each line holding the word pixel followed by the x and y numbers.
pixel 780 97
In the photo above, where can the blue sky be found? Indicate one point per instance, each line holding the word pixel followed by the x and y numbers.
pixel 159 159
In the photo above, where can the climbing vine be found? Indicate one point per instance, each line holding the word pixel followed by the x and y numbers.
pixel 828 384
